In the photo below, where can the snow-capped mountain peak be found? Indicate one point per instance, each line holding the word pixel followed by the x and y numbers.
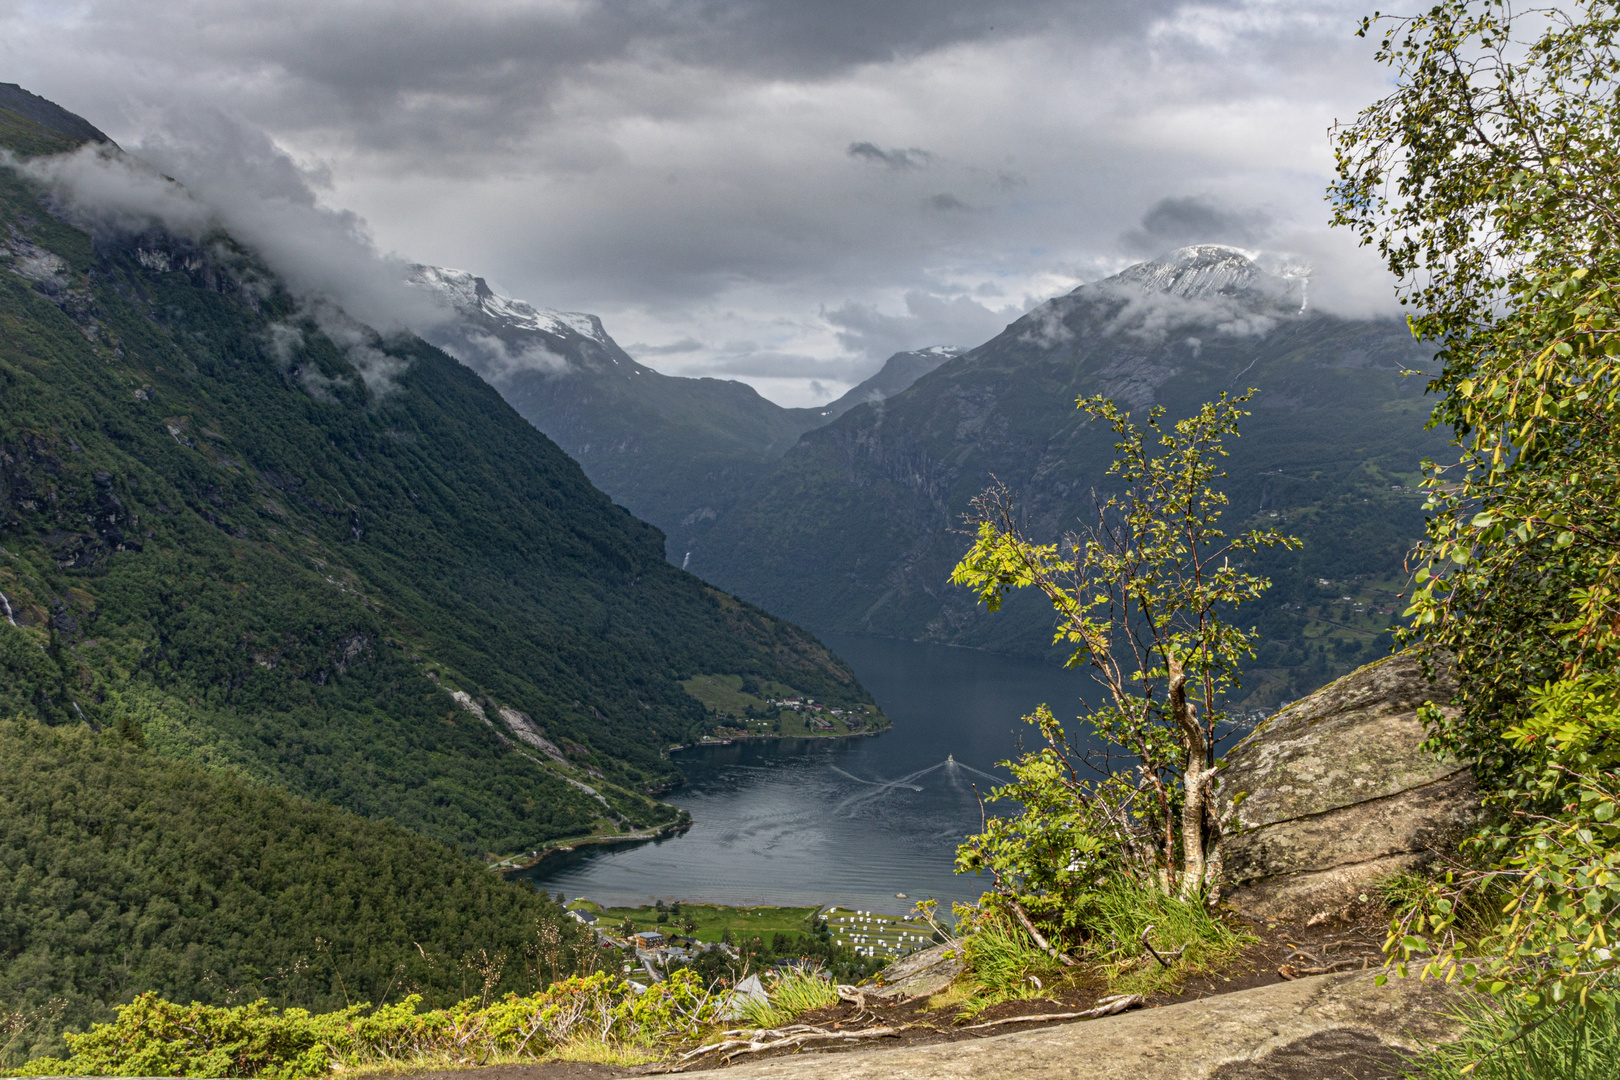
pixel 1205 270
pixel 471 295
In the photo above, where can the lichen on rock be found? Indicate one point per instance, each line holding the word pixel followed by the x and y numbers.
pixel 1336 791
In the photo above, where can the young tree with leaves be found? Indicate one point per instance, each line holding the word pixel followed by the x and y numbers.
pixel 1140 595
pixel 1489 180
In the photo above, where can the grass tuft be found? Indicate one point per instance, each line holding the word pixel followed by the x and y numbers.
pixel 600 1052
pixel 1571 1044
pixel 1005 964
pixel 791 995
pixel 1185 932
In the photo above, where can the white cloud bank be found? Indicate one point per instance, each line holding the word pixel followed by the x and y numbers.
pixel 779 190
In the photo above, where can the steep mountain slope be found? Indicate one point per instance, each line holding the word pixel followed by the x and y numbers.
pixel 125 872
pixel 273 540
pixel 49 115
pixel 674 451
pixel 855 529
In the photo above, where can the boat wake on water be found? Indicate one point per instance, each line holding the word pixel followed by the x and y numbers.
pixel 953 770
pixel 955 766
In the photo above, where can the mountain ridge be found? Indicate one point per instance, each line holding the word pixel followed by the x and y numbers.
pixel 865 510
pixel 48 114
pixel 671 449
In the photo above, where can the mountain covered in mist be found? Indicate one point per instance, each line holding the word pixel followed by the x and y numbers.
pixel 857 527
pixel 263 537
pixel 675 451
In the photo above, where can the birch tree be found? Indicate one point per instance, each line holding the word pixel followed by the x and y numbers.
pixel 1143 594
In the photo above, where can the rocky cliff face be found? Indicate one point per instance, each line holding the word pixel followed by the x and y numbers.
pixel 1335 791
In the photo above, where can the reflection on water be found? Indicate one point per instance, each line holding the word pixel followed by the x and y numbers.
pixel 849 821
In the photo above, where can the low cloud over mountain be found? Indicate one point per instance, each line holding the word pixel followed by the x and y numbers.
pixel 743 170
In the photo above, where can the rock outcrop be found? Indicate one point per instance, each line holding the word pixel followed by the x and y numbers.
pixel 922 974
pixel 1334 792
pixel 1340 1026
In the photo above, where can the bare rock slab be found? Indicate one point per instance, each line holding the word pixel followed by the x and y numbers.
pixel 1339 1026
pixel 922 974
pixel 1335 791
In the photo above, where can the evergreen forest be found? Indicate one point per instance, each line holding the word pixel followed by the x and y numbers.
pixel 123 872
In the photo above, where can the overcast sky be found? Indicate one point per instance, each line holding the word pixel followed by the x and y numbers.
pixel 782 191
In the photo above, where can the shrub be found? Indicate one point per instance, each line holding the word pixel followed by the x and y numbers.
pixel 1476 177
pixel 154 1037
pixel 1554 857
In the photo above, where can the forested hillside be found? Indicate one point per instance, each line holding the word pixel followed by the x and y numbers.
pixel 857 527
pixel 267 538
pixel 122 871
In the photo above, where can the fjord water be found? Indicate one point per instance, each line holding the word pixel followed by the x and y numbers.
pixel 843 821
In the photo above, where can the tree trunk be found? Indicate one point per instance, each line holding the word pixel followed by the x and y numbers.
pixel 1196 775
pixel 1196 794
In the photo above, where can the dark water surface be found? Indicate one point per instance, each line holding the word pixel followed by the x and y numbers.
pixel 843 821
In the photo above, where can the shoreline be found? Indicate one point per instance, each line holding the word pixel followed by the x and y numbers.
pixel 727 740
pixel 515 863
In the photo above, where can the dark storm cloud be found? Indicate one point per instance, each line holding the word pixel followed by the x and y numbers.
pixel 455 73
pixel 1197 219
pixel 904 160
pixel 813 39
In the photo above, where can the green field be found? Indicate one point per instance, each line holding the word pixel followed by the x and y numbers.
pixel 872 934
pixel 742 705
pixel 868 933
pixel 711 920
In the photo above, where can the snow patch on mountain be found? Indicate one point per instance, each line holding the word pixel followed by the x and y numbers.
pixel 1218 289
pixel 1198 271
pixel 471 295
